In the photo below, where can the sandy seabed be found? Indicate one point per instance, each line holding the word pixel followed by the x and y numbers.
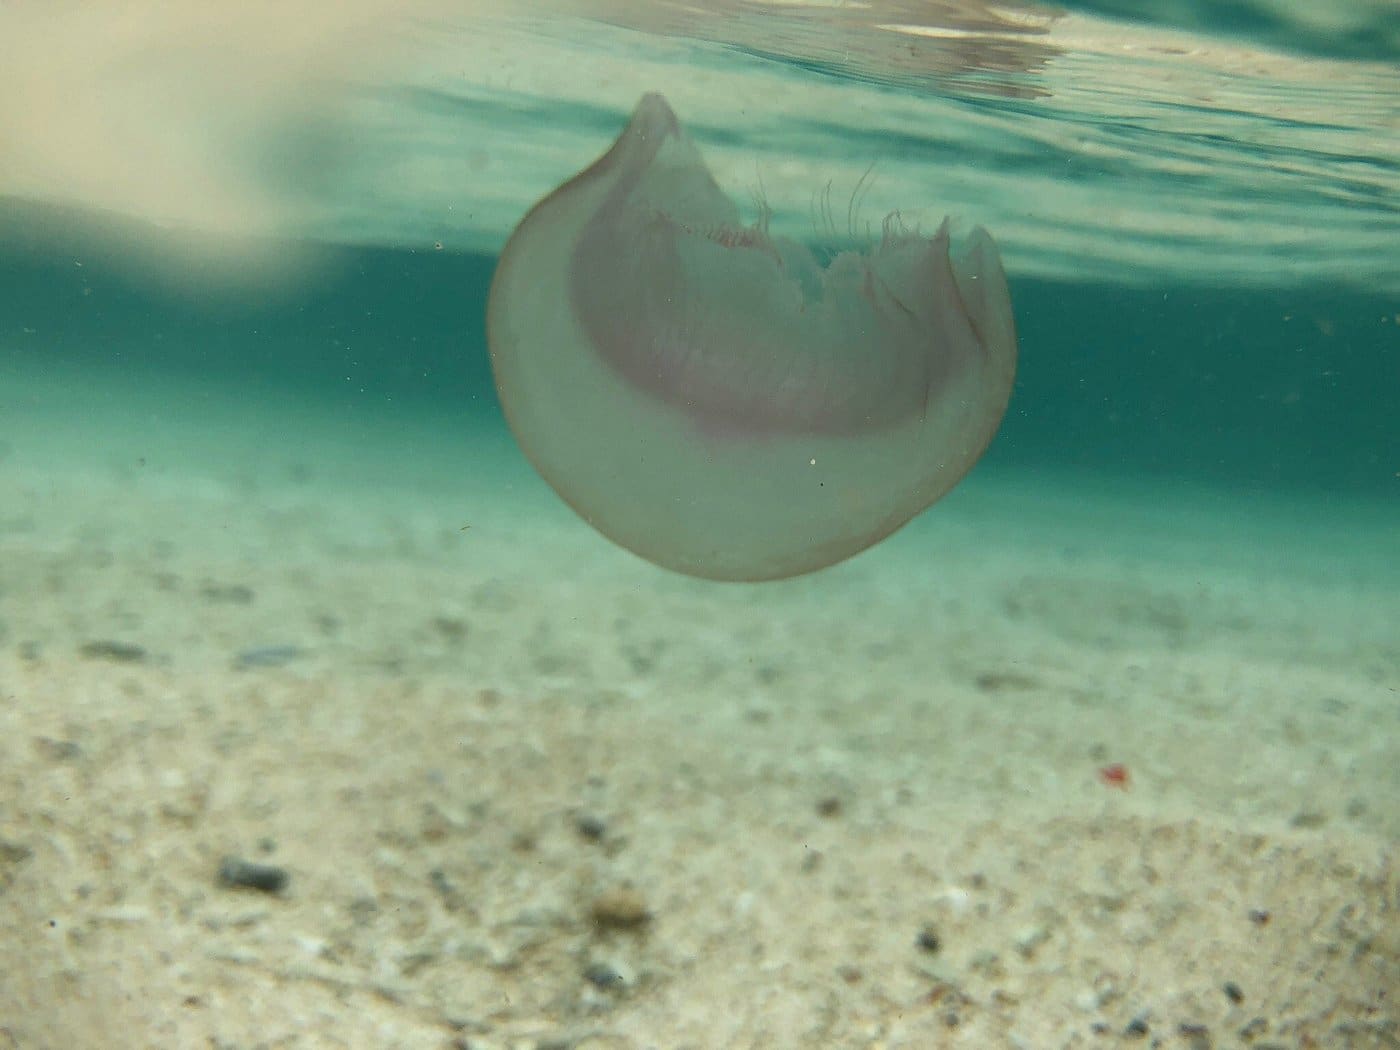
pixel 529 792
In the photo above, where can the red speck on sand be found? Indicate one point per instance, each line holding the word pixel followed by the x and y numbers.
pixel 1115 776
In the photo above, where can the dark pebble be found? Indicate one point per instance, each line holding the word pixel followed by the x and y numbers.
pixel 591 827
pixel 245 874
pixel 620 908
pixel 928 940
pixel 57 750
pixel 452 629
pixel 14 852
pixel 1259 916
pixel 1232 992
pixel 1137 1028
pixel 119 652
pixel 1256 1027
pixel 227 593
pixel 996 681
pixel 266 656
pixel 603 975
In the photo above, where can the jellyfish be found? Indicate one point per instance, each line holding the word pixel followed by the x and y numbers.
pixel 729 404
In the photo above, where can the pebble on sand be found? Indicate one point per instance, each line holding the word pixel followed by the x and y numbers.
pixel 118 652
pixel 246 874
pixel 620 908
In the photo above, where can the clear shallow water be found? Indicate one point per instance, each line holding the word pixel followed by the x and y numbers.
pixel 1200 224
pixel 1250 390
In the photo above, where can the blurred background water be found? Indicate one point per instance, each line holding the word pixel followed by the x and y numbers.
pixel 1199 208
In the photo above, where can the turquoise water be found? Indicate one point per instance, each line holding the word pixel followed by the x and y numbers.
pixel 1251 391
